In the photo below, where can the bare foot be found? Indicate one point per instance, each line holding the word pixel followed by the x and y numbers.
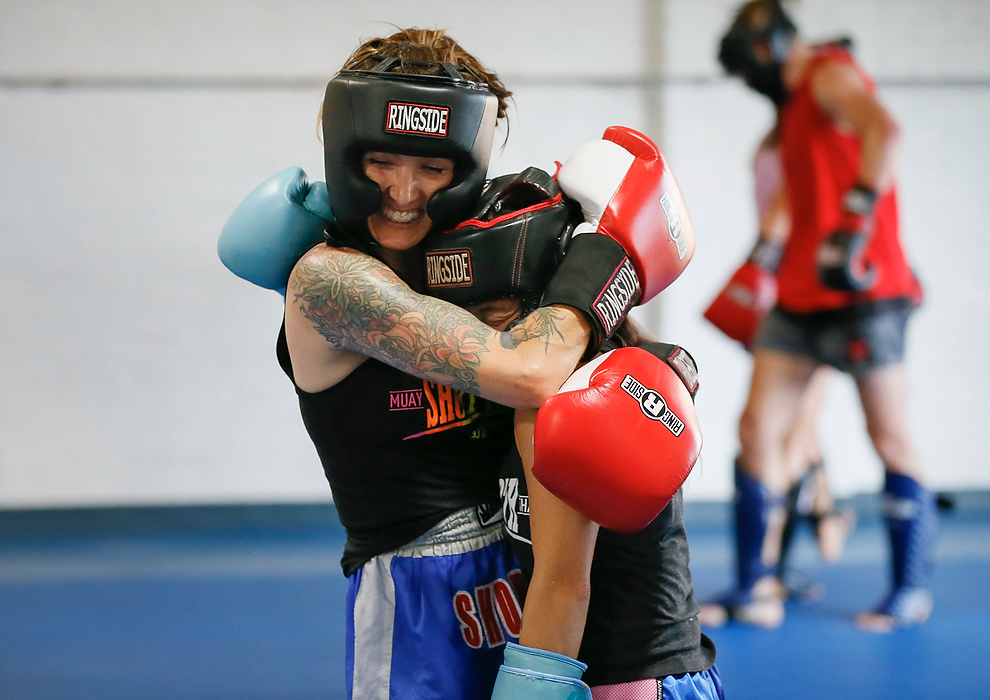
pixel 903 608
pixel 713 615
pixel 877 623
pixel 767 613
pixel 762 607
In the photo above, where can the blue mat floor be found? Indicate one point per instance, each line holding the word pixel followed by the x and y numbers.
pixel 258 613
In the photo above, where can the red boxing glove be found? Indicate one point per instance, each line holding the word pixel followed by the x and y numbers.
pixel 627 191
pixel 749 295
pixel 743 303
pixel 618 440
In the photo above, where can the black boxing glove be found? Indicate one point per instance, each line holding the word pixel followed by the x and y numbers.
pixel 840 256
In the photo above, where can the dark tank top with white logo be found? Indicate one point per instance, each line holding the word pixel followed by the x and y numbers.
pixel 401 453
pixel 642 618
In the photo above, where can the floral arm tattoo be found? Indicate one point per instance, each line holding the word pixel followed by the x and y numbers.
pixel 357 303
pixel 542 323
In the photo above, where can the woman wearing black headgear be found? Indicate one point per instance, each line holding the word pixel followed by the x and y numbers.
pixel 397 389
pixel 618 601
pixel 844 298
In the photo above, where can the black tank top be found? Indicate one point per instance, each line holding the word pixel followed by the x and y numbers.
pixel 401 453
pixel 642 619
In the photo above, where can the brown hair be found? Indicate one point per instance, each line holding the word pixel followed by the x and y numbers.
pixel 429 45
pixel 627 335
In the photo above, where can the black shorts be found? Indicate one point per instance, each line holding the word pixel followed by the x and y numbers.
pixel 855 339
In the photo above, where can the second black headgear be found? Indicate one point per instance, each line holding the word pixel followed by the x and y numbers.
pixel 756 46
pixel 509 248
pixel 434 116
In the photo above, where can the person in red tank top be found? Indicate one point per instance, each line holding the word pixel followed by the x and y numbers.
pixel 845 292
pixel 737 311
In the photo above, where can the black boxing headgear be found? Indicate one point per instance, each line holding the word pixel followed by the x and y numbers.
pixel 509 248
pixel 756 46
pixel 434 116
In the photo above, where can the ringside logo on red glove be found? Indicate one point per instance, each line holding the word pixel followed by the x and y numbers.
pixel 653 405
pixel 675 228
pixel 595 450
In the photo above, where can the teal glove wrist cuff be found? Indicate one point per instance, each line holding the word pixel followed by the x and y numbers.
pixel 542 661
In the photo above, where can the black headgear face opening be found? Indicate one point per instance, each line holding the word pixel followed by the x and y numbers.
pixel 509 248
pixel 756 49
pixel 433 116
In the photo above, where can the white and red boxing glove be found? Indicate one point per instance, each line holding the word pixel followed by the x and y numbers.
pixel 621 436
pixel 627 191
pixel 748 296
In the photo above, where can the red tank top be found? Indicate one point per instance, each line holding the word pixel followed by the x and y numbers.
pixel 820 164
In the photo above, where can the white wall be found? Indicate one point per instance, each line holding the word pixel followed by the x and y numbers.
pixel 135 369
pixel 933 67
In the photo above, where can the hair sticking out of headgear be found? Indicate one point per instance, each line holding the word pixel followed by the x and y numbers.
pixel 423 47
pixel 756 47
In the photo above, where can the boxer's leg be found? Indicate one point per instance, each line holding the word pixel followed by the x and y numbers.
pixel 814 498
pixel 755 506
pixel 832 524
pixel 909 512
pixel 762 479
pixel 803 448
pixel 756 598
pixel 909 508
pixel 799 507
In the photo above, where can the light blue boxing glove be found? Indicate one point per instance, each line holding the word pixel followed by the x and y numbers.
pixel 271 229
pixel 539 675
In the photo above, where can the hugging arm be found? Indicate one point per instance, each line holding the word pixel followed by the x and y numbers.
pixel 342 300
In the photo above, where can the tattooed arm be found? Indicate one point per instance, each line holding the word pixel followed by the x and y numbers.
pixel 343 306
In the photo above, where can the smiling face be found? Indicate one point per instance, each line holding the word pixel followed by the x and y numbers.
pixel 407 183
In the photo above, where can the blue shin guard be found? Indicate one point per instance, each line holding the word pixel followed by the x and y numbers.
pixel 752 508
pixel 912 524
